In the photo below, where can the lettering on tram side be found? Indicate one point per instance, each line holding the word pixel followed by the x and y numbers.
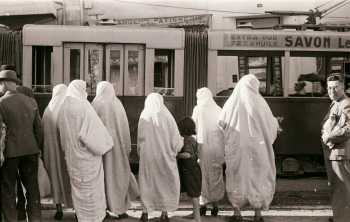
pixel 308 41
pixel 294 41
pixel 344 43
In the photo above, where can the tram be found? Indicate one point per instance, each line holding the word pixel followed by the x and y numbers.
pixel 292 67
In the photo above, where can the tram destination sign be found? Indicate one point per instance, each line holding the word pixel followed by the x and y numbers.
pixel 303 41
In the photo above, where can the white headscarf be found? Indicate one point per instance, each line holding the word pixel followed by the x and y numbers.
pixel 58 94
pixel 77 89
pixel 105 91
pixel 204 96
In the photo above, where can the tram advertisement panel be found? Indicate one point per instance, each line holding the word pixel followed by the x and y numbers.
pixel 312 41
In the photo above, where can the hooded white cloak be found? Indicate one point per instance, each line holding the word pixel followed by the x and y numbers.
pixel 159 141
pixel 118 176
pixel 53 153
pixel 249 129
pixel 210 137
pixel 84 140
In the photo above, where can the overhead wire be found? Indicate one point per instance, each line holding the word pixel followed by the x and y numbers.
pixel 188 8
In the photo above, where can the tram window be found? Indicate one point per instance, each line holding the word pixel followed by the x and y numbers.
pixel 94 67
pixel 164 72
pixel 227 75
pixel 41 69
pixel 268 70
pixel 134 76
pixel 74 64
pixel 114 69
pixel 307 76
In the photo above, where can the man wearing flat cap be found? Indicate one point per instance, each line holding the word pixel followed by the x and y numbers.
pixel 21 117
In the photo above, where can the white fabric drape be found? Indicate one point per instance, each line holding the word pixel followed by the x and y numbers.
pixel 249 130
pixel 210 137
pixel 159 141
pixel 118 176
pixel 53 154
pixel 84 140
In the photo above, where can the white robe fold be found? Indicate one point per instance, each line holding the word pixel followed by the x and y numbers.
pixel 118 175
pixel 159 141
pixel 84 140
pixel 210 137
pixel 249 130
pixel 53 153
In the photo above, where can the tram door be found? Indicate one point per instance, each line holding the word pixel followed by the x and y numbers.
pixel 120 64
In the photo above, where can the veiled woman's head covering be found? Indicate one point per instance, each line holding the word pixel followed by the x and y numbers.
pixel 104 91
pixel 204 96
pixel 77 89
pixel 58 92
pixel 154 103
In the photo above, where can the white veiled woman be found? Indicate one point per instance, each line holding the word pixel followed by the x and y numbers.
pixel 249 129
pixel 118 176
pixel 159 141
pixel 84 140
pixel 210 138
pixel 53 153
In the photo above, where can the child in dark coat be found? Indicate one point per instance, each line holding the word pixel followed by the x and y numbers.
pixel 190 172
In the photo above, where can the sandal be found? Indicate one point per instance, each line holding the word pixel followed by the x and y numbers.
pixel 203 210
pixel 214 212
pixel 144 217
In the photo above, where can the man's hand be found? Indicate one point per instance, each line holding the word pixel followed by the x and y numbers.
pixel 184 155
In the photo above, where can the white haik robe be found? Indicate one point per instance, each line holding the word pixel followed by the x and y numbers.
pixel 53 153
pixel 159 141
pixel 118 176
pixel 249 129
pixel 84 140
pixel 210 137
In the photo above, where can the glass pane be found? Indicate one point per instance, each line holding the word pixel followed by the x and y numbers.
pixel 227 75
pixel 261 75
pixel 307 76
pixel 114 64
pixel 42 66
pixel 163 77
pixel 133 70
pixel 74 64
pixel 94 74
pixel 257 61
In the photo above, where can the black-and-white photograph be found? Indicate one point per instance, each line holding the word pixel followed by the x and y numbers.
pixel 175 110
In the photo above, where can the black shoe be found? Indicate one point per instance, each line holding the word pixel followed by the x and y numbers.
pixel 330 219
pixel 258 219
pixel 122 216
pixel 58 215
pixel 203 210
pixel 144 217
pixel 214 212
pixel 164 218
pixel 236 218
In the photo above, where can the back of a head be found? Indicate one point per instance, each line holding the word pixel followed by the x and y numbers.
pixel 187 126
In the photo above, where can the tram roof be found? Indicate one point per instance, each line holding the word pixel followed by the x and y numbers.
pixel 56 35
